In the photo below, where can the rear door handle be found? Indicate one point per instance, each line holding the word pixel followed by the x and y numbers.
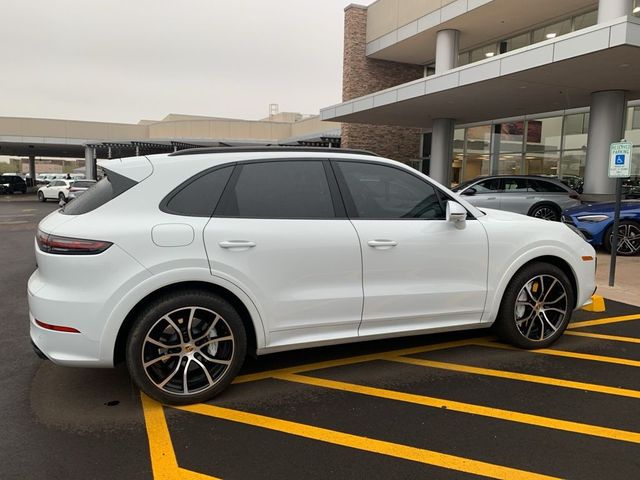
pixel 382 244
pixel 237 244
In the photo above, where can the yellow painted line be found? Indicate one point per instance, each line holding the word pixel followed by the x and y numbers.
pixel 251 377
pixel 563 353
pixel 523 377
pixel 603 321
pixel 469 408
pixel 163 458
pixel 600 336
pixel 395 450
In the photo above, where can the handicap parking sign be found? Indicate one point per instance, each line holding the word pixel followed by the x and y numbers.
pixel 620 160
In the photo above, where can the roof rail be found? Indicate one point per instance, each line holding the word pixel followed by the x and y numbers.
pixel 196 151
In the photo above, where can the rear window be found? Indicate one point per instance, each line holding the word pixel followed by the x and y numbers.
pixel 102 192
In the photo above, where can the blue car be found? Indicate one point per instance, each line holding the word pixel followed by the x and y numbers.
pixel 595 221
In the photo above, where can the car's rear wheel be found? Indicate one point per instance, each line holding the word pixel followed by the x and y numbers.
pixel 61 197
pixel 536 306
pixel 41 197
pixel 546 212
pixel 628 238
pixel 186 347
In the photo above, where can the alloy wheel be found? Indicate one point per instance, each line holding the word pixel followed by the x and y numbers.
pixel 541 307
pixel 546 213
pixel 188 350
pixel 628 239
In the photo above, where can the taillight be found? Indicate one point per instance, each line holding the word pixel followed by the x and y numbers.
pixel 73 189
pixel 574 195
pixel 69 246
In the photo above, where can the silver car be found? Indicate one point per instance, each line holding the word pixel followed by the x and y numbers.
pixel 540 197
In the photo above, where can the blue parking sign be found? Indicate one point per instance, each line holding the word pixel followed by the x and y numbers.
pixel 620 159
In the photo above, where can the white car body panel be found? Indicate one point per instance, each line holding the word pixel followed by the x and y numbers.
pixel 302 283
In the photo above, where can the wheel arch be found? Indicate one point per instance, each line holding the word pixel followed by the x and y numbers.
pixel 233 299
pixel 562 265
pixel 544 203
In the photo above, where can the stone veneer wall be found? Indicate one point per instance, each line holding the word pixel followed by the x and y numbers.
pixel 362 76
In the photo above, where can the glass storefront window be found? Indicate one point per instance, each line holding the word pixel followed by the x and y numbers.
pixel 476 160
pixel 458 155
pixel 544 134
pixel 632 132
pixel 510 164
pixel 517 42
pixel 575 131
pixel 585 20
pixel 511 136
pixel 546 163
pixel 552 31
pixel 463 58
pixel 482 53
pixel 572 164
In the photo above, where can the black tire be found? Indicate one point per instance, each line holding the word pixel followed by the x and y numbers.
pixel 546 211
pixel 628 240
pixel 61 197
pixel 528 318
pixel 220 359
pixel 41 197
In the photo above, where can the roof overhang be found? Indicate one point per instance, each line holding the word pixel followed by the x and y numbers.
pixel 557 74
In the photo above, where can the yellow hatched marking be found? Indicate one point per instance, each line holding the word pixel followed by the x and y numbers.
pixel 251 377
pixel 600 336
pixel 566 354
pixel 524 377
pixel 163 458
pixel 472 409
pixel 396 450
pixel 603 321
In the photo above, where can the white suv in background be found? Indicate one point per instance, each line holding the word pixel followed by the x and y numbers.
pixel 185 263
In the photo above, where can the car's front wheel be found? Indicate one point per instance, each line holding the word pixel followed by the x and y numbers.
pixel 628 238
pixel 536 306
pixel 186 347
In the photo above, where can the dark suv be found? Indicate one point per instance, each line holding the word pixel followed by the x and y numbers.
pixel 11 184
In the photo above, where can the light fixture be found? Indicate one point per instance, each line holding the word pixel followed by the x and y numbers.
pixel 489 54
pixel 636 10
pixel 552 35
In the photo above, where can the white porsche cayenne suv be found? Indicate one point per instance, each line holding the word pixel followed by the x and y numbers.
pixel 187 262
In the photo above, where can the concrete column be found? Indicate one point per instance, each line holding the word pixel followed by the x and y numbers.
pixel 610 9
pixel 446 50
pixel 606 125
pixel 90 167
pixel 442 150
pixel 32 169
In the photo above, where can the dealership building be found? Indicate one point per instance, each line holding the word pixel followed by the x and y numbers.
pixel 461 88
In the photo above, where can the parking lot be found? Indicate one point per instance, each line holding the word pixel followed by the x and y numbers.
pixel 442 406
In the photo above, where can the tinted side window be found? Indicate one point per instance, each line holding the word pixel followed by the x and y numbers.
pixel 287 189
pixel 544 186
pixel 515 185
pixel 383 192
pixel 199 197
pixel 487 186
pixel 101 193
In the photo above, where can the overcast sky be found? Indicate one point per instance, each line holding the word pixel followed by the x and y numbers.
pixel 126 60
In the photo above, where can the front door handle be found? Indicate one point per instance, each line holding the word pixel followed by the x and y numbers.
pixel 491 198
pixel 382 244
pixel 239 244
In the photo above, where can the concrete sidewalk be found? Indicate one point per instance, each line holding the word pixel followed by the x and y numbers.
pixel 626 287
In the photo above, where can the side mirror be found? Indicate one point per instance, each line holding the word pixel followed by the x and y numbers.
pixel 456 213
pixel 469 192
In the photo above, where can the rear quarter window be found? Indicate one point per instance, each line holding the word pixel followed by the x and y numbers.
pixel 101 193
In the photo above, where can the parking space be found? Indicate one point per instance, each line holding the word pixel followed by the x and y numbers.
pixel 468 407
pixel 456 405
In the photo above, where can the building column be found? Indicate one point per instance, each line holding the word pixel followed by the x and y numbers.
pixel 442 150
pixel 442 136
pixel 446 50
pixel 606 126
pixel 610 9
pixel 90 167
pixel 32 170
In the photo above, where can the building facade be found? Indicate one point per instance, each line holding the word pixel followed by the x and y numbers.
pixel 461 88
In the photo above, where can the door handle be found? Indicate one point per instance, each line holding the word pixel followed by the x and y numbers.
pixel 382 244
pixel 237 244
pixel 491 198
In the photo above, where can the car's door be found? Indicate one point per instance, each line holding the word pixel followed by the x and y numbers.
pixel 484 194
pixel 51 190
pixel 419 271
pixel 515 196
pixel 280 232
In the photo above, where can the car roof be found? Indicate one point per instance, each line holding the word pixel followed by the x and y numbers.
pixel 263 149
